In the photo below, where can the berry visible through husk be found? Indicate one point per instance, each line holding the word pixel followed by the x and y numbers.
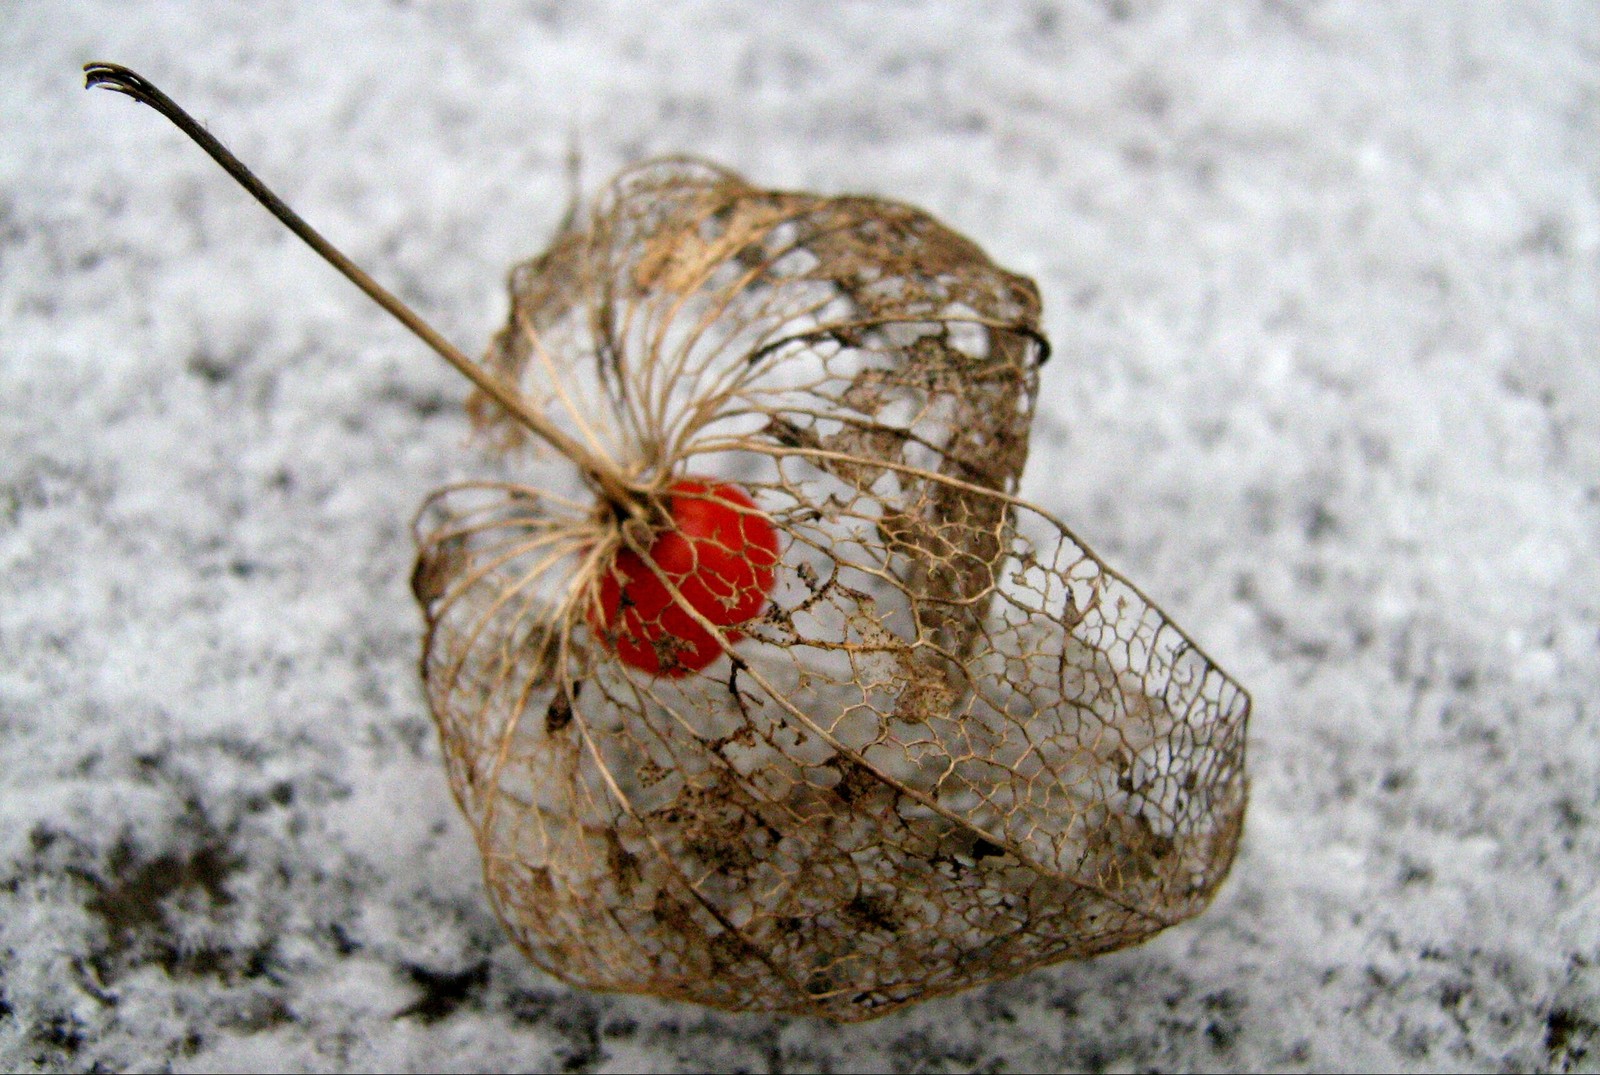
pixel 720 552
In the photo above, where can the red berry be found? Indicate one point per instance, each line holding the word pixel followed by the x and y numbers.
pixel 720 552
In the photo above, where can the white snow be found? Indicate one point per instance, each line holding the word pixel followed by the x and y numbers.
pixel 1323 280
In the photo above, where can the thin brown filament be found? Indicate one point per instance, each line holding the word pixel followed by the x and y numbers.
pixel 121 80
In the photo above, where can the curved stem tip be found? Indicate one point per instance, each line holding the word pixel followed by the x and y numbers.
pixel 119 79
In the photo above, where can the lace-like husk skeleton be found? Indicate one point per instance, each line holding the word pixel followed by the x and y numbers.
pixel 953 746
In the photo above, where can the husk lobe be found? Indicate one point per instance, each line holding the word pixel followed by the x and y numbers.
pixel 955 745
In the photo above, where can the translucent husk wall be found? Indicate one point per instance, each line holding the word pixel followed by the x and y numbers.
pixel 953 747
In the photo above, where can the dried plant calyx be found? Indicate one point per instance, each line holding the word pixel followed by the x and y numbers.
pixel 769 693
pixel 942 745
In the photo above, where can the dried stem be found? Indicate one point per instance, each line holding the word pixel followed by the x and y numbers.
pixel 602 473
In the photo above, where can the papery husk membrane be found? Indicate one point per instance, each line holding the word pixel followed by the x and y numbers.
pixel 955 746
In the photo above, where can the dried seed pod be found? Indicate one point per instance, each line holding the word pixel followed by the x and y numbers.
pixel 769 693
pixel 954 745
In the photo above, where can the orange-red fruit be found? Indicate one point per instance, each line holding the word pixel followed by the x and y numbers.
pixel 721 553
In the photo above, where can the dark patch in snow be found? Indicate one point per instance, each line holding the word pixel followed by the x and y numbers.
pixel 443 992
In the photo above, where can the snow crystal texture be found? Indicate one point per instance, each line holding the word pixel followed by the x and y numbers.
pixel 1323 280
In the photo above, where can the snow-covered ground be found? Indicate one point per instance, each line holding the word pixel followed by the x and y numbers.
pixel 1324 284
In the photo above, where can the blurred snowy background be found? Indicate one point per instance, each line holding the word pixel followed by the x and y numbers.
pixel 1324 284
